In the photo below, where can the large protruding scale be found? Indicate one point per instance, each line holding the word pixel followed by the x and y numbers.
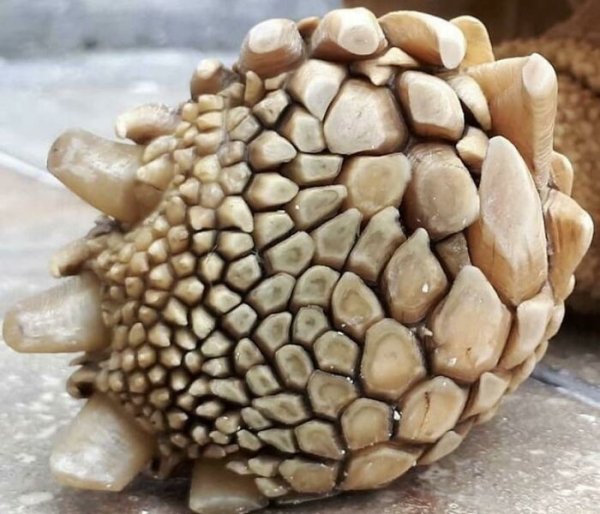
pixel 522 94
pixel 100 171
pixel 217 490
pixel 66 318
pixel 425 37
pixel 102 449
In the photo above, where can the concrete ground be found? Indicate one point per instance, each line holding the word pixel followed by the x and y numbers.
pixel 541 454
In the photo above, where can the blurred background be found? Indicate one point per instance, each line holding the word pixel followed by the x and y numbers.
pixel 70 63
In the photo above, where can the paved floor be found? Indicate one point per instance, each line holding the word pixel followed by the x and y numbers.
pixel 541 454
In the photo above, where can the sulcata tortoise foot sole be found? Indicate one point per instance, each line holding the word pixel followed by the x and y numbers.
pixel 319 271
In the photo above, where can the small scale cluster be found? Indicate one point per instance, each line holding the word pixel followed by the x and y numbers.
pixel 330 263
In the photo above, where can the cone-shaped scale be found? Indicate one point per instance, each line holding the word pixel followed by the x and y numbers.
pixel 103 448
pixel 66 318
pixel 101 172
pixel 216 490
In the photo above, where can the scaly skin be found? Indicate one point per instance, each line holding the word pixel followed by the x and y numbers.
pixel 308 290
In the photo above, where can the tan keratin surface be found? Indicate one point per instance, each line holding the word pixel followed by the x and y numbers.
pixel 321 270
pixel 577 63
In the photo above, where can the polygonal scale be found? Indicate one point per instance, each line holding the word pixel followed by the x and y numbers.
pixel 303 130
pixel 284 408
pixel 413 280
pixel 453 254
pixel 315 287
pixel 329 393
pixel 270 226
pixel 309 323
pixel 313 170
pixel 430 409
pixel 366 422
pixel 271 107
pixel 337 353
pixel 376 244
pixel 292 255
pixel 445 445
pixel 273 332
pixel 294 366
pixel 262 381
pixel 269 150
pixel 314 205
pixel 529 329
pixel 364 118
pixel 309 477
pixel 441 197
pixel 247 355
pixel 319 438
pixel 215 488
pixel 315 84
pixel 354 306
pixel 335 238
pixel 377 466
pixel 425 98
pixel 486 393
pixel 460 347
pixel 392 361
pixel 279 438
pixel 374 183
pixel 570 231
pixel 271 294
pixel 240 321
pixel 269 190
